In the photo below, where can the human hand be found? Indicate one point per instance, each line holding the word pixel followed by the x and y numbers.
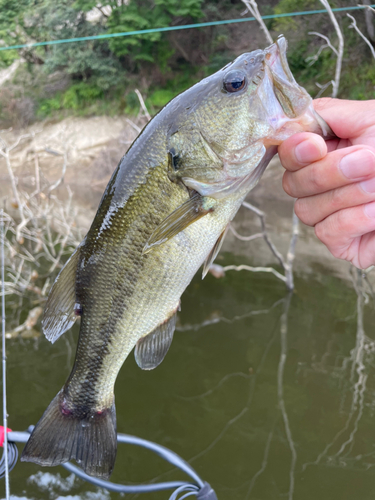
pixel 334 181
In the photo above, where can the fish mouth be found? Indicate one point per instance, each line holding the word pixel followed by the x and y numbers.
pixel 293 99
pixel 276 61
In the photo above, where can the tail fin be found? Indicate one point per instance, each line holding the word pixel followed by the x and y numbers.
pixel 60 436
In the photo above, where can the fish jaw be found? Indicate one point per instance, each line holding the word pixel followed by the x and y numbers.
pixel 290 107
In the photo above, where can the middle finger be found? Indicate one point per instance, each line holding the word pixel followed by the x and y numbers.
pixel 338 168
pixel 313 209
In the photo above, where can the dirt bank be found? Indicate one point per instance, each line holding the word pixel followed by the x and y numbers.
pixel 90 149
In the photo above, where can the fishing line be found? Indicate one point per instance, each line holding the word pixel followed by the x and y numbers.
pixel 182 489
pixel 5 457
pixel 187 495
pixel 12 458
pixel 201 489
pixel 183 27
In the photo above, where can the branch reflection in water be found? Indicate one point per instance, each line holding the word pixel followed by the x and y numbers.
pixel 281 404
pixel 281 327
pixel 355 369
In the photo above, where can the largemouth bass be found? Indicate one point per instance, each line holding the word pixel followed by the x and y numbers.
pixel 164 213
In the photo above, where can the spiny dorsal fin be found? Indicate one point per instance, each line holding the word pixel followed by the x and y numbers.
pixel 59 314
pixel 151 349
pixel 213 254
pixel 189 212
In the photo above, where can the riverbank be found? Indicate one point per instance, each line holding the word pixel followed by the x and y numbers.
pixel 87 150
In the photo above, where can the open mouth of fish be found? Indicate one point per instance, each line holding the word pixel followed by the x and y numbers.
pixel 289 106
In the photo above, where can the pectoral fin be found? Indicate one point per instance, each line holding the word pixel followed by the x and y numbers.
pixel 213 254
pixel 151 349
pixel 59 314
pixel 189 212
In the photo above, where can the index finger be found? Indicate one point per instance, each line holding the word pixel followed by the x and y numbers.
pixel 347 119
pixel 301 149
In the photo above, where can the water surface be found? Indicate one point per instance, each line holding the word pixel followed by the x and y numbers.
pixel 267 395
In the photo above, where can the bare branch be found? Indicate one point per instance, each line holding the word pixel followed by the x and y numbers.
pixel 245 238
pixel 267 239
pixel 328 43
pixel 323 88
pixel 354 26
pixel 132 124
pixel 44 230
pixel 143 105
pixel 312 59
pixel 369 14
pixel 286 264
pixel 14 185
pixel 243 267
pixel 291 253
pixel 61 179
pixel 252 7
pixel 280 392
pixel 37 177
pixel 368 7
pixel 20 138
pixel 340 51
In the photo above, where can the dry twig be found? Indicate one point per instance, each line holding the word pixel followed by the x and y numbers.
pixel 43 232
pixel 143 105
pixel 355 27
pixel 286 264
pixel 369 15
pixel 252 7
pixel 339 52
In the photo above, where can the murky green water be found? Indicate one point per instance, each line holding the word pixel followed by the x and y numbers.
pixel 264 401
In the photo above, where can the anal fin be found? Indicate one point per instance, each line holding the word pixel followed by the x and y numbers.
pixel 181 218
pixel 59 314
pixel 151 349
pixel 213 254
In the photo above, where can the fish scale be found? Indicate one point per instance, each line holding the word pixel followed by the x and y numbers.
pixel 164 213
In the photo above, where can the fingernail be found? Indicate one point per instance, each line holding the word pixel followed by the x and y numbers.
pixel 368 186
pixel 370 210
pixel 309 151
pixel 358 164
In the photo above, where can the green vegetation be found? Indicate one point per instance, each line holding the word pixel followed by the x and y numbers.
pixel 99 76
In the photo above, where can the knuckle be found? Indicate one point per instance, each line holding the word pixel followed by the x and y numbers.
pixel 287 184
pixel 303 212
pixel 316 179
pixel 341 221
pixel 321 232
pixel 337 199
pixel 337 252
pixel 324 231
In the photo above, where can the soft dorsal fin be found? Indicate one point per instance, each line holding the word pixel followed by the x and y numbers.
pixel 213 254
pixel 59 314
pixel 189 212
pixel 151 349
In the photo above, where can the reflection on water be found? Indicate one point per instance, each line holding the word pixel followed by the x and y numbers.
pixel 268 395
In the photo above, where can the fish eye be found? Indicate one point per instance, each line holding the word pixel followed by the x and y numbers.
pixel 234 81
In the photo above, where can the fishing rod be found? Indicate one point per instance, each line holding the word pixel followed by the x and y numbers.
pixel 5 458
